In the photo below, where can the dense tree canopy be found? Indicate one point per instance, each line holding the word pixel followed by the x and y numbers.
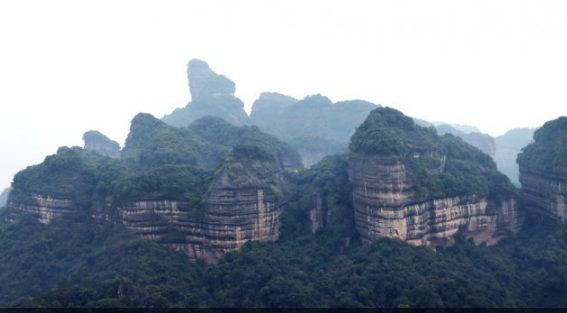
pixel 549 149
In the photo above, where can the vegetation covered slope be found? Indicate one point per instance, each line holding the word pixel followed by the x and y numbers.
pixel 85 264
pixel 548 152
pixel 467 170
pixel 205 143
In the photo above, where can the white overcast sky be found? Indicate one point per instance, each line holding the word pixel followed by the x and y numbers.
pixel 71 66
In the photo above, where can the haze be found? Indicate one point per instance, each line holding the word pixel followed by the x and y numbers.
pixel 71 66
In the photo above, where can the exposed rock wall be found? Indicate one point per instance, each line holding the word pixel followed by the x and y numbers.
pixel 45 207
pixel 385 205
pixel 545 193
pixel 231 218
pixel 97 142
pixel 245 203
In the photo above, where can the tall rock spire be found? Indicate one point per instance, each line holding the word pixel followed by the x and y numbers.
pixel 204 82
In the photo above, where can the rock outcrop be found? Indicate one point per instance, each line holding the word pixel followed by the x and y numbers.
pixel 245 203
pixel 205 83
pixel 385 206
pixel 99 143
pixel 408 183
pixel 46 207
pixel 543 172
pixel 191 208
pixel 211 94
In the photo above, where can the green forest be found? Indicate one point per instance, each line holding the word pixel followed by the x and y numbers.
pixel 84 263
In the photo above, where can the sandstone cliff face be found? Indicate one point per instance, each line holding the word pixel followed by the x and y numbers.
pixel 245 203
pixel 385 205
pixel 412 184
pixel 545 193
pixel 543 172
pixel 45 207
pixel 97 142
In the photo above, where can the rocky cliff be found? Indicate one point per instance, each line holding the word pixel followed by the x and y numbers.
pixel 203 213
pixel 543 172
pixel 97 142
pixel 244 203
pixel 45 207
pixel 211 94
pixel 411 184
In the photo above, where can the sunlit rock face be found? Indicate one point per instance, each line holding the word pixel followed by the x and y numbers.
pixel 245 203
pixel 405 186
pixel 543 172
pixel 97 142
pixel 45 207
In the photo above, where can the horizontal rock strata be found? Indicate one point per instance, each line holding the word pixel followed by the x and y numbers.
pixel 385 206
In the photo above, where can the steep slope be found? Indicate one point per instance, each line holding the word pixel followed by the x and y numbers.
pixel 543 172
pixel 411 184
pixel 507 148
pixel 211 94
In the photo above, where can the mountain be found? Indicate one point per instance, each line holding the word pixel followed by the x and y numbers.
pixel 98 142
pixel 205 143
pixel 476 139
pixel 412 184
pixel 315 126
pixel 543 172
pixel 507 148
pixel 206 189
pixel 211 94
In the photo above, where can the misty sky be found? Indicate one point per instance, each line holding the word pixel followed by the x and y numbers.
pixel 71 66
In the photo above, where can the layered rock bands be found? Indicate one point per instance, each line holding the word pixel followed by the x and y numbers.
pixel 385 205
pixel 545 193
